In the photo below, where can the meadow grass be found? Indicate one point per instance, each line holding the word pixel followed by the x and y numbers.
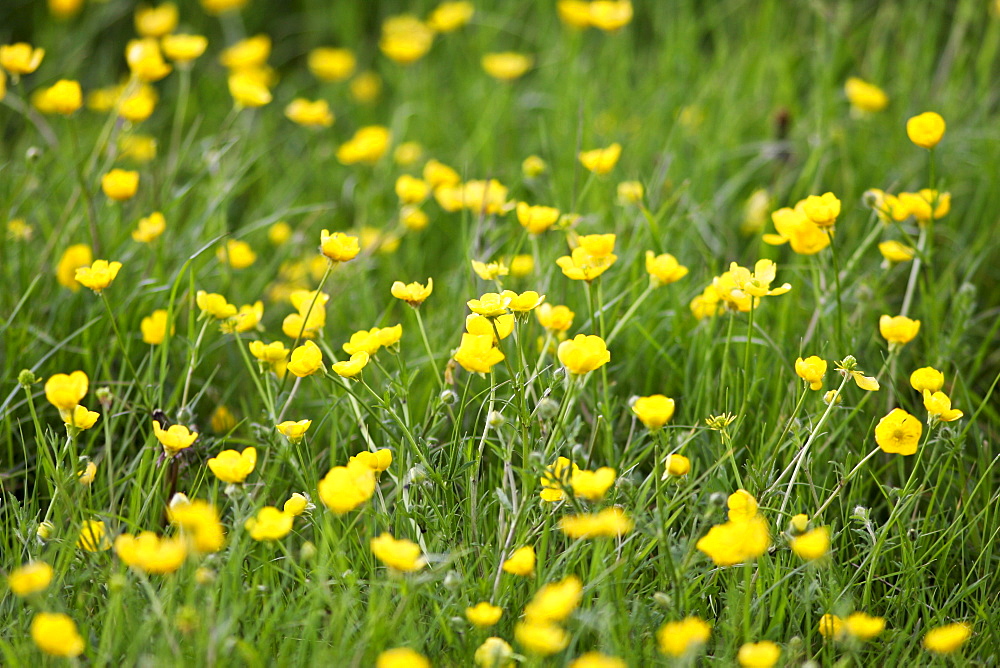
pixel 710 103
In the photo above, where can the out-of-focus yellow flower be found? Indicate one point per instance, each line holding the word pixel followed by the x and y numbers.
pixel 401 657
pixel 215 305
pixel 182 49
pixel 93 536
pixel 533 166
pixel 594 659
pixel 248 90
pixel 607 523
pixel 555 601
pixel 592 485
pixel 742 505
pixel 139 148
pixel 736 541
pixel 74 257
pixel 522 265
pixel 237 253
pixel 120 184
pixel 367 146
pixel 294 431
pixel 926 378
pixel 413 294
pixel 344 488
pixel 556 479
pixel 865 97
pixel 366 87
pixel 664 269
pixel 216 7
pixel 755 211
pixel 925 204
pixel 822 209
pixel 99 275
pixel 199 521
pixel 145 60
pixel 313 114
pixel 863 627
pixel 56 634
pixel 66 391
pixel 763 654
pixel 948 638
pixel 397 553
pixel 63 97
pixel 489 271
pixel 793 226
pixel 898 330
pixel 150 553
pixel 329 64
pixel 678 638
pixel 297 504
pixel 233 467
pixel 222 419
pixel 17 228
pixel 676 465
pixel 574 13
pixel 654 411
pixel 812 545
pixel 270 524
pixel 601 160
pixel 450 16
pixel 610 15
pixel 583 354
pixel 30 578
pixel 630 192
pixel 886 206
pixel 482 326
pixel 408 153
pixel 898 432
pixel 82 418
pixel 377 461
pixel 895 252
pixel 811 369
pixel 306 360
pixel 536 219
pixel 938 405
pixel 926 129
pixel 405 39
pixel 494 653
pixel 555 319
pixel 247 54
pixel 279 233
pixel 477 353
pixel 156 21
pixel 175 438
pixel 508 65
pixel 831 626
pixel 521 562
pixel 542 638
pixel 411 190
pixel 20 58
pixel 352 367
pixel 483 614
pixel 149 228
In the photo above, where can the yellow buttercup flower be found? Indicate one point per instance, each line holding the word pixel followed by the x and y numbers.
pixel 450 16
pixel 405 39
pixel 247 54
pixel 811 369
pixel 610 15
pixel 938 405
pixel 270 524
pixel 948 638
pixel 812 545
pixel 676 465
pixel 522 265
pixel 93 537
pixel 541 638
pixel 344 488
pixel 215 305
pixel 199 522
pixel 237 253
pixel 898 432
pixel 149 228
pixel 756 284
pixel 898 330
pixel 601 160
pixel 831 626
pixel 182 49
pixel 313 114
pixel 607 523
pixel 366 87
pixel 156 21
pixel 583 354
pixel 120 184
pixel 926 378
pixel 664 269
pixel 521 562
pixel 508 65
pixel 30 578
pixel 294 431
pixel 269 353
pixel 862 626
pixel 597 245
pixel 524 302
pixel 248 89
pixel 574 13
pixel 150 553
pixel 401 657
pixel 87 475
pixel 222 420
pixel 20 58
pixel 233 467
pixel 654 411
pixel 556 479
pixel 483 614
pixel 145 60
pixel 413 294
pixel 533 166
pixel 439 174
pixel 377 461
pixel 139 148
pixel 339 247
pixel 63 97
pixel 597 660
pixel 297 504
pixel 536 219
pixel 408 153
pixel 329 64
pixel 555 601
pixel 306 360
pixel 411 190
pixel 175 438
pixel 137 108
pixel 367 146
pixel 477 353
pixel 822 209
pixel 630 192
pixel 56 634
pixel 678 638
pixel 352 367
pixel 66 391
pixel 592 485
pixel 81 418
pixel 895 252
pixel 490 271
pixel 581 265
pixel 763 654
pixel 794 227
pixel 363 341
pixel 865 97
pixel 736 541
pixel 926 129
pixel 399 554
pixel 742 505
pixel 480 326
pixel 925 205
pixel 491 304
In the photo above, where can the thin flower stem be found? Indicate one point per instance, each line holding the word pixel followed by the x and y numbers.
pixel 128 360
pixel 836 278
pixel 474 470
pixel 843 483
pixel 305 318
pixel 427 346
pixel 192 363
pixel 622 321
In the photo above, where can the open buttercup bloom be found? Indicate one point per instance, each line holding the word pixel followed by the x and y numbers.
pixel 521 562
pixel 175 438
pixel 477 353
pixel 898 330
pixel 20 58
pixel 793 226
pixel 865 97
pixel 812 370
pixel 270 524
pixel 233 467
pixel 926 378
pixel 310 113
pixel 583 354
pixel 398 554
pixel 664 269
pixel 536 219
pixel 898 432
pixel 183 48
pixel 352 367
pixel 763 654
pixel 677 639
pixel 413 294
pixel 948 638
pixel 66 391
pixel 345 488
pixel 822 209
pixel 926 129
pixel 508 65
pixel 757 283
pixel 601 160
pixel 339 247
pixel 938 405
pixel 30 578
pixel 483 614
pixel 99 275
pixel 654 411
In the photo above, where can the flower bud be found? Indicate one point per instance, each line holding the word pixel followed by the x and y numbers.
pixel 449 397
pixel 307 552
pixel 495 419
pixel 547 408
pixel 26 378
pixel 718 499
pixel 32 154
pixel 453 580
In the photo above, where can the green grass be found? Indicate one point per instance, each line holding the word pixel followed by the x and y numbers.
pixel 914 538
